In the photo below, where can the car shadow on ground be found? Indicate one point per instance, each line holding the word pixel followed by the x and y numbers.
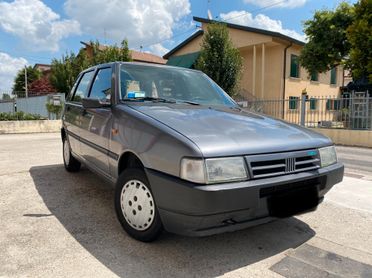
pixel 83 204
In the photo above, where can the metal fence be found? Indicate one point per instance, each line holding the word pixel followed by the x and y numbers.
pixel 35 104
pixel 354 112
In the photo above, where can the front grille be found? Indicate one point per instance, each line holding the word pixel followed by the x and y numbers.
pixel 269 165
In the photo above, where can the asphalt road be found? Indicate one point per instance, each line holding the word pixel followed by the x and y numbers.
pixel 357 161
pixel 58 224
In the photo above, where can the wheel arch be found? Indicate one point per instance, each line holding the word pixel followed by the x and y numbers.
pixel 127 160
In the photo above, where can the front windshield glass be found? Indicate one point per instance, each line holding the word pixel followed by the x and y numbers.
pixel 140 82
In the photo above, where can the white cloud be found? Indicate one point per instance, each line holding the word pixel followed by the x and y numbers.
pixel 259 21
pixel 9 66
pixel 276 4
pixel 35 24
pixel 158 49
pixel 142 22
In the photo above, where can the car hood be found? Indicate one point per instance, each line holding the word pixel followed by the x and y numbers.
pixel 231 131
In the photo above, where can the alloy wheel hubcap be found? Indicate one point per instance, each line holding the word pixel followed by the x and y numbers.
pixel 137 205
pixel 66 152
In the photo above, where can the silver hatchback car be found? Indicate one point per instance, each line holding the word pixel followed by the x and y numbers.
pixel 184 157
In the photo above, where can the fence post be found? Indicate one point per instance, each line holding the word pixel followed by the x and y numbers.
pixel 303 109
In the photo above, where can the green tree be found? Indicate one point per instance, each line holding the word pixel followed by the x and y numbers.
pixel 19 80
pixel 340 36
pixel 106 54
pixel 6 97
pixel 359 35
pixel 219 59
pixel 65 70
pixel 327 44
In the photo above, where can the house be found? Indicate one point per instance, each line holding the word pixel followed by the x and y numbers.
pixel 137 56
pixel 271 68
pixel 43 68
pixel 41 86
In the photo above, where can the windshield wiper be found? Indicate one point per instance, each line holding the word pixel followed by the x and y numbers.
pixel 189 102
pixel 154 99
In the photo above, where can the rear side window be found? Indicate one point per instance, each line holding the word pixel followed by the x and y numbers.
pixel 101 88
pixel 82 89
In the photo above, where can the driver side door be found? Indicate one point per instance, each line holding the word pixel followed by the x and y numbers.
pixel 97 122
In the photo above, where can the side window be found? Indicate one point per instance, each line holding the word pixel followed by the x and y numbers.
pixel 314 76
pixel 333 76
pixel 82 89
pixel 295 66
pixel 293 103
pixel 101 88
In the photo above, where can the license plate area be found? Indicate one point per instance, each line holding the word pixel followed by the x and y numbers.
pixel 290 199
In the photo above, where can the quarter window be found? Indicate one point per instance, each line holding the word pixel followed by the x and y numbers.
pixel 295 66
pixel 101 88
pixel 82 89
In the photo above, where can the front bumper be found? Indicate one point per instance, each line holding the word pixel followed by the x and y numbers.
pixel 199 210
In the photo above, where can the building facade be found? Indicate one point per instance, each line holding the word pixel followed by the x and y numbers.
pixel 270 64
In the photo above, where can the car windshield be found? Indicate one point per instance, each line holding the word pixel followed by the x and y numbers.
pixel 169 84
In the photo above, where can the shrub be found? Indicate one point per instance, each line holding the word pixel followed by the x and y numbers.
pixel 19 116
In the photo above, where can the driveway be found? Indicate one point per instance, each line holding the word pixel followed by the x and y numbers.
pixel 57 224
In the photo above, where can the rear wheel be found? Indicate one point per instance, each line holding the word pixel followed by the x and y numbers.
pixel 70 162
pixel 135 206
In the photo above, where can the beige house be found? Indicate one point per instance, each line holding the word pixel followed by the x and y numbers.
pixel 271 68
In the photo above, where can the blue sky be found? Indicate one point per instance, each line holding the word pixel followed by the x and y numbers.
pixel 35 31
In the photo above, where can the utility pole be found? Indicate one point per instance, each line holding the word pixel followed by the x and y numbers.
pixel 26 89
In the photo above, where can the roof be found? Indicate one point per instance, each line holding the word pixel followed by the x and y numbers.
pixel 147 57
pixel 234 26
pixel 182 44
pixel 136 55
pixel 42 67
pixel 185 61
pixel 251 29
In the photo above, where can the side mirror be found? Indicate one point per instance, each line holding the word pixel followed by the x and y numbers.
pixel 94 103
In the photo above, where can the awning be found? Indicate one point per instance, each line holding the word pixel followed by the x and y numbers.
pixel 185 61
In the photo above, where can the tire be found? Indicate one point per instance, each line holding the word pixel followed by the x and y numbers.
pixel 135 206
pixel 70 162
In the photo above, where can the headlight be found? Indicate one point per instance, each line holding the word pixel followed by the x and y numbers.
pixel 214 170
pixel 327 156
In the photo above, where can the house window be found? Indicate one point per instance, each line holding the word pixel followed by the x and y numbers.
pixel 333 76
pixel 313 102
pixel 314 76
pixel 333 104
pixel 295 66
pixel 293 103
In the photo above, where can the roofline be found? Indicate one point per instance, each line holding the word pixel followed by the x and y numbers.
pixel 250 29
pixel 182 44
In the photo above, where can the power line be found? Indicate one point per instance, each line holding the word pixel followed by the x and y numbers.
pixel 256 10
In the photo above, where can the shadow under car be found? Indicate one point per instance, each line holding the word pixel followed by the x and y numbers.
pixel 84 205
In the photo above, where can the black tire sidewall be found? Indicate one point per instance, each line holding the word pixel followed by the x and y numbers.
pixel 73 164
pixel 155 228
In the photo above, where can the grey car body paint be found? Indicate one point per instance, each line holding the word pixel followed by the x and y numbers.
pixel 161 134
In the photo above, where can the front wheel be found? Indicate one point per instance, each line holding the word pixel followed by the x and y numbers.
pixel 70 162
pixel 135 206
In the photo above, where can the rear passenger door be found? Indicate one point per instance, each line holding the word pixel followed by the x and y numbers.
pixel 96 122
pixel 74 111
